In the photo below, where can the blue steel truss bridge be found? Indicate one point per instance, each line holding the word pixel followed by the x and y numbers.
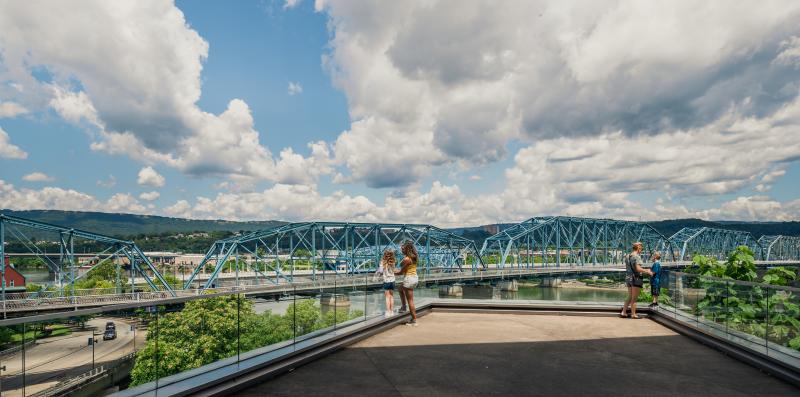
pixel 312 256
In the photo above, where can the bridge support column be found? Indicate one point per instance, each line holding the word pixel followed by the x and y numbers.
pixel 554 282
pixel 509 285
pixel 455 290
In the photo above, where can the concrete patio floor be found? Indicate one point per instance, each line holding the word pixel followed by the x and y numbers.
pixel 480 354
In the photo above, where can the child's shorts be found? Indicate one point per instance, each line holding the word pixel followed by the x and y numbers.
pixel 388 286
pixel 655 289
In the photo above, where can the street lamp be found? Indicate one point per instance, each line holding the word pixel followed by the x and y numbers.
pixel 92 342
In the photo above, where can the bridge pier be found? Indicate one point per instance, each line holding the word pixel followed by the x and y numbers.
pixel 334 302
pixel 454 290
pixel 554 282
pixel 478 291
pixel 509 286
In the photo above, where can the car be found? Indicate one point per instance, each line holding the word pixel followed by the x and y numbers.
pixel 110 325
pixel 110 333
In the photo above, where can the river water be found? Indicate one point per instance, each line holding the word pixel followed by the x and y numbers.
pixel 374 302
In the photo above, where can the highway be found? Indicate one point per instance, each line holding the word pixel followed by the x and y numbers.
pixel 51 360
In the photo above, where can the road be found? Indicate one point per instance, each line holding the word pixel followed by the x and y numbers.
pixel 53 359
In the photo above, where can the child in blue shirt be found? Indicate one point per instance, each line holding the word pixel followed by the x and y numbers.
pixel 655 280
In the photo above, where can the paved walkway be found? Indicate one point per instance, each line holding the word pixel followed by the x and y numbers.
pixel 476 354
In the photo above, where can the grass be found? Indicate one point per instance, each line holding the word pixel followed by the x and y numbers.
pixel 57 330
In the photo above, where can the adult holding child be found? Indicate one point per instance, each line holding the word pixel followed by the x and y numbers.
pixel 633 279
pixel 408 268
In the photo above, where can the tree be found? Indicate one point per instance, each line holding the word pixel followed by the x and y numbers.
pixel 207 330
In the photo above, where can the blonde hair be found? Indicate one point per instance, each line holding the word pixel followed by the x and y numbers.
pixel 410 251
pixel 638 245
pixel 657 255
pixel 389 258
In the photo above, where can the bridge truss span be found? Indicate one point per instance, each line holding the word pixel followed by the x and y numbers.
pixel 70 254
pixel 283 252
pixel 553 241
pixel 780 247
pixel 714 242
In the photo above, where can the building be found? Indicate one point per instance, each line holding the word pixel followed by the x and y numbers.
pixel 15 281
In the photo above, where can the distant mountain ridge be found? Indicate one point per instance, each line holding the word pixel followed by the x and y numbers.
pixel 131 225
pixel 126 225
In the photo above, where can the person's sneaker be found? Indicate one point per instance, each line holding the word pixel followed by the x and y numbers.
pixel 402 310
pixel 412 323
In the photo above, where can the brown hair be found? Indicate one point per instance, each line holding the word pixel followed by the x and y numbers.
pixel 410 251
pixel 389 258
pixel 638 244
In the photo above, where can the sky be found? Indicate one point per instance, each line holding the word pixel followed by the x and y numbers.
pixel 454 113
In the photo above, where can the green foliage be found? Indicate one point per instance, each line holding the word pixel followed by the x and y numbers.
pixel 28 262
pixel 740 265
pixel 759 311
pixel 103 276
pixel 779 276
pixel 206 331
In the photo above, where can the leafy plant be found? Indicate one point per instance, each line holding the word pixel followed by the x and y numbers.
pixel 779 276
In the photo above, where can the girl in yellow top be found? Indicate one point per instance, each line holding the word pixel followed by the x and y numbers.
pixel 408 268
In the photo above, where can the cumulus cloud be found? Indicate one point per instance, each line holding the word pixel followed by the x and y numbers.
pixel 131 74
pixel 535 70
pixel 11 109
pixel 9 151
pixel 294 88
pixel 149 177
pixel 150 196
pixel 64 199
pixel 38 177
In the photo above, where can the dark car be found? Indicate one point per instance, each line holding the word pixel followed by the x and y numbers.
pixel 110 325
pixel 110 333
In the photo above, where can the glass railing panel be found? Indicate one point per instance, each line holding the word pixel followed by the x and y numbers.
pixel 746 316
pixel 61 350
pixel 12 364
pixel 271 321
pixel 783 325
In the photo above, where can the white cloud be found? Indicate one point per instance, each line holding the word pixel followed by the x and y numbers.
pixel 108 183
pixel 130 74
pixel 149 177
pixel 181 209
pixel 290 4
pixel 294 88
pixel 9 151
pixel 150 196
pixel 38 177
pixel 64 199
pixel 11 109
pixel 534 70
pixel 475 177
